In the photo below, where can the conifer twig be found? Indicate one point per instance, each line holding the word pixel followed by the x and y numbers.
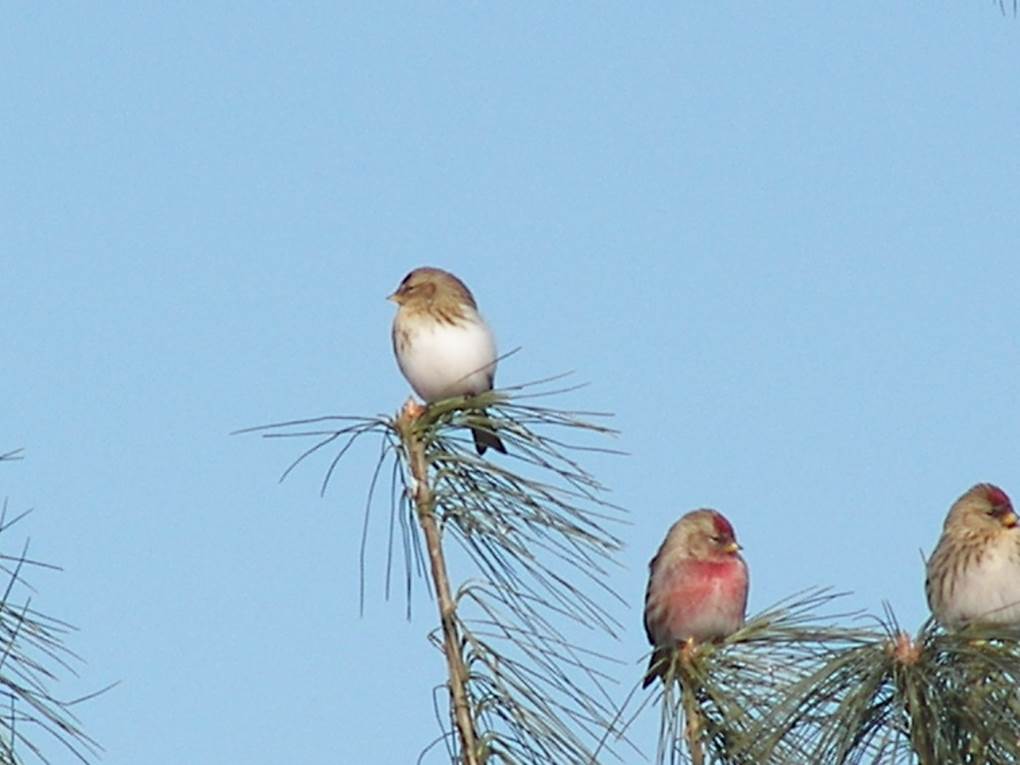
pixel 32 657
pixel 719 699
pixel 423 502
pixel 692 720
pixel 531 526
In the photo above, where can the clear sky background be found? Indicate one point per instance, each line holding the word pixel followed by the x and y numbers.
pixel 781 241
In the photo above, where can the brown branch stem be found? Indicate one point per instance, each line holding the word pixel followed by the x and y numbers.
pixel 424 501
pixel 692 713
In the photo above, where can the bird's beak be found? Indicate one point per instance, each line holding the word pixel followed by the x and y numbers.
pixel 1009 520
pixel 732 547
pixel 392 296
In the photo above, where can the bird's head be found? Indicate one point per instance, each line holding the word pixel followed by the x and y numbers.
pixel 983 507
pixel 426 286
pixel 703 534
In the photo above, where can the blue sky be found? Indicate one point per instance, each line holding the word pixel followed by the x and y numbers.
pixel 780 241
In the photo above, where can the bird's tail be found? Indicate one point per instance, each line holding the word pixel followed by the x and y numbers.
pixel 656 665
pixel 485 439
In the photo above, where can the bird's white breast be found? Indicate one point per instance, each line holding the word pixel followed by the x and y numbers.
pixel 989 589
pixel 441 360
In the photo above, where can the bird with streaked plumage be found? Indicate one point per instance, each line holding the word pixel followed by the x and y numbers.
pixel 443 345
pixel 974 573
pixel 697 587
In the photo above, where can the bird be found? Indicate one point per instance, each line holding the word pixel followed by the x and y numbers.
pixel 974 573
pixel 697 587
pixel 443 345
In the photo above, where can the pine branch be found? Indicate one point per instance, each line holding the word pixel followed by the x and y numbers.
pixel 936 699
pixel 425 507
pixel 32 657
pixel 718 701
pixel 532 525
